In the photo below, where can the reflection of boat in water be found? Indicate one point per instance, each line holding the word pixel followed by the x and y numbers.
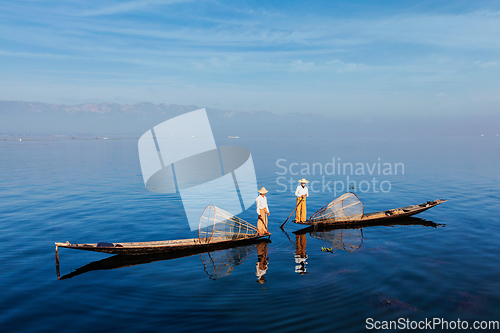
pixel 342 239
pixel 222 263
pixel 348 209
pixel 217 228
pixel 350 237
pixel 215 264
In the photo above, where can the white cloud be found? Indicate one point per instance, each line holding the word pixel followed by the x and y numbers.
pixel 39 55
pixel 124 7
pixel 216 63
pixel 343 67
pixel 299 66
pixel 489 64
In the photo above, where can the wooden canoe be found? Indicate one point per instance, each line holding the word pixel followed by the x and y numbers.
pixel 162 246
pixel 121 261
pixel 378 216
pixel 403 221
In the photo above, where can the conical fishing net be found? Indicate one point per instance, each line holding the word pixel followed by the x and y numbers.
pixel 218 225
pixel 345 208
pixel 343 239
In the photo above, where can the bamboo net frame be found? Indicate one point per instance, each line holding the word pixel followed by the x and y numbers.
pixel 345 208
pixel 217 223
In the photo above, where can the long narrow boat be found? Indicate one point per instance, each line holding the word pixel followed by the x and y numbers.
pixel 402 221
pixel 360 218
pixel 217 229
pixel 198 244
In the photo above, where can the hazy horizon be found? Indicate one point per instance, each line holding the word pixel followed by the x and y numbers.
pixel 38 118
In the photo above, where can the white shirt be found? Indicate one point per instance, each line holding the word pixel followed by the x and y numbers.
pixel 300 191
pixel 261 203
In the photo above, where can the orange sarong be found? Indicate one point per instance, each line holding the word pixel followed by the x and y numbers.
pixel 301 213
pixel 262 222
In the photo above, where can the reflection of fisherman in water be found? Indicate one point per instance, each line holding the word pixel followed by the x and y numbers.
pixel 261 266
pixel 300 255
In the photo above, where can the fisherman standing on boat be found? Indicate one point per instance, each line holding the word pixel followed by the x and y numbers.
pixel 301 193
pixel 263 211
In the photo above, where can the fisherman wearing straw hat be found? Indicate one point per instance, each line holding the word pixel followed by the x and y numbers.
pixel 301 193
pixel 263 211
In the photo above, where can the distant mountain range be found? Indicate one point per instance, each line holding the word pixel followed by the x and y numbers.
pixel 35 118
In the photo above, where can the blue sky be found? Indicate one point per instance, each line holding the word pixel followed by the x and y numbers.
pixel 325 57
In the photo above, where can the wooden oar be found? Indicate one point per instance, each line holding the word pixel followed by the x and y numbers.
pixel 291 213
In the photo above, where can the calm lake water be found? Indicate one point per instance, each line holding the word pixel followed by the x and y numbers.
pixel 442 264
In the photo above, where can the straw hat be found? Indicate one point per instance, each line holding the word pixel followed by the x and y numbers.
pixel 263 190
pixel 303 180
